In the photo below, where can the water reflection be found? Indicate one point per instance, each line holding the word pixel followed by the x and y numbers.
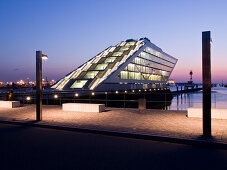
pixel 194 99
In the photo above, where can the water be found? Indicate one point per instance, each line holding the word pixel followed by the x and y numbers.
pixel 194 99
pixel 183 101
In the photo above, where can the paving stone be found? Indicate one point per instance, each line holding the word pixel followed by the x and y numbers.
pixel 153 122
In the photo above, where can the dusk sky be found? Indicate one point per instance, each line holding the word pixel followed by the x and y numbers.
pixel 70 32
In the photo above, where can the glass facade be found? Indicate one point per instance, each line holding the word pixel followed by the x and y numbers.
pixel 149 64
pixel 110 59
pixel 101 66
pixel 79 83
pixel 119 53
pixel 91 74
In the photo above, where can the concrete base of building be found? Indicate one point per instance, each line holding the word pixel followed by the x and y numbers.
pixel 215 113
pixel 9 104
pixel 83 107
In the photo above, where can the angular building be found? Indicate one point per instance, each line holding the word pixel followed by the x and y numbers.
pixel 131 64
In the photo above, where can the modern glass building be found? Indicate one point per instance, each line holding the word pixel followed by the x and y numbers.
pixel 131 64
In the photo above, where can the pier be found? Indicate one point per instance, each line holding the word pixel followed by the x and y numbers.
pixel 186 87
pixel 156 98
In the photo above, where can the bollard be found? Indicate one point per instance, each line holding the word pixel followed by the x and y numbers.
pixel 142 104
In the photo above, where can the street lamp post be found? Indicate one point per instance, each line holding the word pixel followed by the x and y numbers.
pixel 39 57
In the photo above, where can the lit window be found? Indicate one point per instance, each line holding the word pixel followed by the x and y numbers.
pixel 137 60
pixel 101 66
pixel 131 75
pixel 137 76
pixel 91 74
pixel 117 54
pixel 164 73
pixel 124 75
pixel 124 48
pixel 157 53
pixel 110 59
pixel 146 76
pixel 131 67
pixel 130 43
pixel 79 84
pixel 148 49
pixel 142 54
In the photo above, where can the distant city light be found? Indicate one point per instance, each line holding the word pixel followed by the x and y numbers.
pixel 55 96
pixel 92 93
pixel 126 91
pixel 76 94
pixel 21 82
pixel 116 92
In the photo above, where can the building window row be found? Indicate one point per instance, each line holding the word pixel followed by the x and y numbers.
pixel 156 59
pixel 149 64
pixel 160 55
pixel 141 76
pixel 139 68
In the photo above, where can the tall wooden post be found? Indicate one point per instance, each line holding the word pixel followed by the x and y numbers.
pixel 38 85
pixel 206 41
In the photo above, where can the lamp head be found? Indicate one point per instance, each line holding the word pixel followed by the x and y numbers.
pixel 44 56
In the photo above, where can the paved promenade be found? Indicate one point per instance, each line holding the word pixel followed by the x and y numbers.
pixel 150 122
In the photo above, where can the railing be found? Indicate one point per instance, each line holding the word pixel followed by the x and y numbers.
pixel 158 100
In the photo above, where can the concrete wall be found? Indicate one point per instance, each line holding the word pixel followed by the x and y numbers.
pixel 9 104
pixel 215 113
pixel 83 107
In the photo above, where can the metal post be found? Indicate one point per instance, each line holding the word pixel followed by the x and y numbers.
pixel 38 85
pixel 47 99
pixel 206 40
pixel 177 102
pixel 165 102
pixel 124 100
pixel 106 98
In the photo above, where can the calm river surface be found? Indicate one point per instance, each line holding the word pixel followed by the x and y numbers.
pixel 183 101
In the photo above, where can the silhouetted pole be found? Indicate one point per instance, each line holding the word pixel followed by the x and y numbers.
pixel 38 85
pixel 39 88
pixel 206 41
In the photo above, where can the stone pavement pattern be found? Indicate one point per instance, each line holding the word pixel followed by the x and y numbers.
pixel 150 122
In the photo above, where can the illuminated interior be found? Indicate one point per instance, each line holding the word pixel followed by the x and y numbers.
pixel 134 60
pixel 148 65
pixel 79 83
